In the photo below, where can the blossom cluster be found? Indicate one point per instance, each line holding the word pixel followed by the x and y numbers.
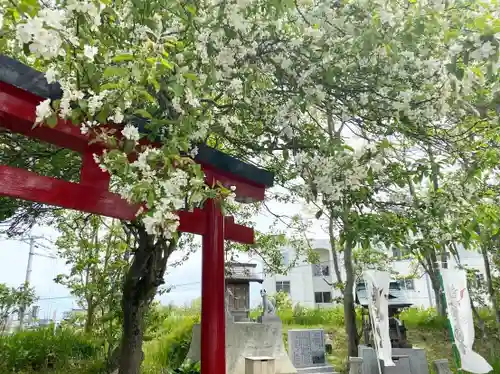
pixel 245 71
pixel 338 177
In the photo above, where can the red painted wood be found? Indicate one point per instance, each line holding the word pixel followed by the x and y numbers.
pixel 213 324
pixel 244 190
pixel 91 174
pixel 17 113
pixel 26 185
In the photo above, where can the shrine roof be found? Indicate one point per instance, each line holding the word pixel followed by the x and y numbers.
pixel 398 298
pixel 19 75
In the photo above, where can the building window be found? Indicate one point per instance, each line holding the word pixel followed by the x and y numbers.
pixel 322 297
pixel 407 284
pixel 477 280
pixel 321 270
pixel 400 253
pixel 286 258
pixel 283 286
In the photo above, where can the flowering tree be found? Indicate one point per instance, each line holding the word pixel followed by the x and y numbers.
pixel 261 79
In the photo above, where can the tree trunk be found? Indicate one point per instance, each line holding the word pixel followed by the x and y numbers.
pixel 133 331
pixel 334 250
pixel 349 310
pixel 433 271
pixel 143 278
pixel 436 287
pixel 89 320
pixel 489 284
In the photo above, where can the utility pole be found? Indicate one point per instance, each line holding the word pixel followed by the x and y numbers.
pixel 27 279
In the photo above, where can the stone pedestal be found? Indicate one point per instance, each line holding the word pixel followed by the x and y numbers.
pixel 246 340
pixel 441 366
pixel 369 360
pixel 402 366
pixel 259 365
pixel 355 365
pixel 418 359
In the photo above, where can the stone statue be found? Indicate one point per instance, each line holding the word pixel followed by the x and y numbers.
pixel 268 307
pixel 229 315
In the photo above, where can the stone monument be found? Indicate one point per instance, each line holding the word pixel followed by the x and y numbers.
pixel 307 350
pixel 246 340
pixel 441 366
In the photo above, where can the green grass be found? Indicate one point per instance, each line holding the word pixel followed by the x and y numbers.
pixel 169 335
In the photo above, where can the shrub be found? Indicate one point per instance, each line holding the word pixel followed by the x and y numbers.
pixel 170 348
pixel 43 348
pixel 424 318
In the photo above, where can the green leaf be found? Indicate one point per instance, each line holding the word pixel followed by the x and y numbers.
pixel 102 116
pixel 52 120
pixel 167 64
pixel 177 89
pixel 128 145
pixel 190 76
pixel 123 57
pixel 143 113
pixel 155 83
pixel 26 49
pixel 147 96
pixel 109 86
pixel 56 104
pixel 114 71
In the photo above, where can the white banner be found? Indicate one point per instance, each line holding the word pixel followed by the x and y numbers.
pixel 460 315
pixel 377 290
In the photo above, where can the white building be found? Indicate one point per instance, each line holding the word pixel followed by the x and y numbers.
pixel 308 284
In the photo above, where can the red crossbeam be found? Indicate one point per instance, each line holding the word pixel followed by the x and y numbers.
pixel 17 113
pixel 26 185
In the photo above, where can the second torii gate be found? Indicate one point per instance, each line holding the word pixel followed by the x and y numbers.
pixel 22 88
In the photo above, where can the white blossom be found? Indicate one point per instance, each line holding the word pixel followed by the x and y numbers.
pixel 90 51
pixel 51 75
pixel 130 132
pixel 117 116
pixel 43 111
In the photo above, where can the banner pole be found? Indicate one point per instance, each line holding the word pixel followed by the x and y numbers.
pixel 456 354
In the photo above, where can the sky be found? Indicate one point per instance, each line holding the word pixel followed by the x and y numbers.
pixel 55 298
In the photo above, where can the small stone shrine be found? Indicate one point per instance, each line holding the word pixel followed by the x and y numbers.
pixel 250 340
pixel 238 278
pixel 306 347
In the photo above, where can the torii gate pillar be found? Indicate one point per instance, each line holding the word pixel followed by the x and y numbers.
pixel 213 318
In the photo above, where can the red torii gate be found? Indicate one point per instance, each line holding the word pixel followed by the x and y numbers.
pixel 22 88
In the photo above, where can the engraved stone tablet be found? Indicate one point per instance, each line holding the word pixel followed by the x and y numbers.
pixel 306 348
